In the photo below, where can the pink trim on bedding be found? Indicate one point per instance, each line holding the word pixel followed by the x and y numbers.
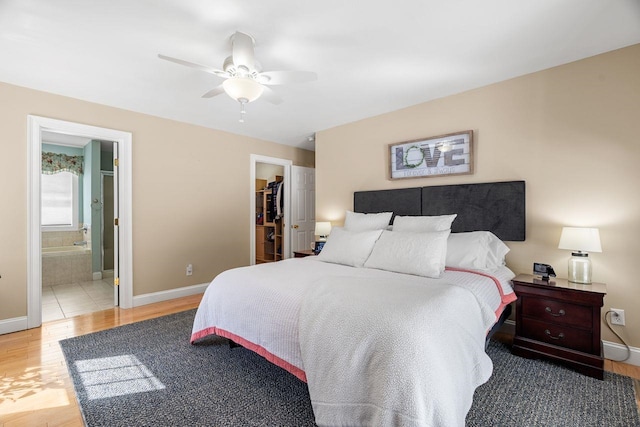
pixel 299 373
pixel 505 300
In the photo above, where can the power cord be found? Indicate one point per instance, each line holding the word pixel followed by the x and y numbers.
pixel 606 321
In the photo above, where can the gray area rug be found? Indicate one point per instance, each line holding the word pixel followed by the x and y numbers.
pixel 147 374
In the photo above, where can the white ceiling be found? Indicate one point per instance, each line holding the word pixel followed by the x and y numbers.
pixel 371 57
pixel 49 137
pixel 64 139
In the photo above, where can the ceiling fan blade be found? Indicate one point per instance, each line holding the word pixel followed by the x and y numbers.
pixel 214 92
pixel 204 68
pixel 242 51
pixel 270 96
pixel 284 77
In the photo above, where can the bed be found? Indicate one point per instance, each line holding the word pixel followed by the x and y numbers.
pixel 382 332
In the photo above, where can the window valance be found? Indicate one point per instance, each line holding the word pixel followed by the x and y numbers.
pixel 55 163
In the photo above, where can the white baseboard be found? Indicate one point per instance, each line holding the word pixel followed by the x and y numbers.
pixel 15 324
pixel 615 351
pixel 97 275
pixel 168 295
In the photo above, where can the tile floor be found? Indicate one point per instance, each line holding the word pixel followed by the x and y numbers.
pixel 64 301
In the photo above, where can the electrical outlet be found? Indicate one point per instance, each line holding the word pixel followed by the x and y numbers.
pixel 617 316
pixel 189 270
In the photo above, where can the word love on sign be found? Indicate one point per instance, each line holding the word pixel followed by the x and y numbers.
pixel 450 154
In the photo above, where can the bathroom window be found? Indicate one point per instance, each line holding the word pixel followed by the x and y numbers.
pixel 59 206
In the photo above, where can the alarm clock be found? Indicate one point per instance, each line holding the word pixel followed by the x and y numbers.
pixel 543 270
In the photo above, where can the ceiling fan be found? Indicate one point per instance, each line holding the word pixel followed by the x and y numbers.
pixel 244 79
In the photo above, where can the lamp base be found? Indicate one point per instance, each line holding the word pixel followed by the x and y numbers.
pixel 580 268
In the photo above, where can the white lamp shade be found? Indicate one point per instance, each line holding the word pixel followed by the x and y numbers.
pixel 243 88
pixel 323 228
pixel 580 239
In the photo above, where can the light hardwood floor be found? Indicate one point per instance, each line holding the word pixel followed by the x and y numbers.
pixel 35 388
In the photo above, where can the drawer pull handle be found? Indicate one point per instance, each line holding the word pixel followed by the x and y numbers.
pixel 558 314
pixel 559 337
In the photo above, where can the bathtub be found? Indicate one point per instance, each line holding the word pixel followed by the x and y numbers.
pixel 66 264
pixel 64 250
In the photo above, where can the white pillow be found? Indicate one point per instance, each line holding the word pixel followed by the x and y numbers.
pixel 420 254
pixel 348 247
pixel 421 224
pixel 361 222
pixel 497 251
pixel 476 250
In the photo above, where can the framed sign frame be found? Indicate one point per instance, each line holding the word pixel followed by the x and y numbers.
pixel 450 154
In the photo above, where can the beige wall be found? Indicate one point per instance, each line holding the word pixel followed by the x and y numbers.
pixel 268 171
pixel 190 193
pixel 571 132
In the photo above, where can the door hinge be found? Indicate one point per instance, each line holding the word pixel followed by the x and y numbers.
pixel 116 281
pixel 116 162
pixel 116 222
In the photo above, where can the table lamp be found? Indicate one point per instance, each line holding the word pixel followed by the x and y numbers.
pixel 580 241
pixel 323 229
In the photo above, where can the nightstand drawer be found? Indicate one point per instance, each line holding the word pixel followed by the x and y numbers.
pixel 557 335
pixel 559 312
pixel 560 320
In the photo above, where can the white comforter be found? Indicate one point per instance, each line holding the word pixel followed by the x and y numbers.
pixel 392 359
pixel 376 348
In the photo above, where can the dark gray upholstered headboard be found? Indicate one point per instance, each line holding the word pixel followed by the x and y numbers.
pixel 498 207
pixel 403 201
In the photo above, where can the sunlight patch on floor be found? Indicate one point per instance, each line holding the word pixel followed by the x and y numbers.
pixel 33 397
pixel 116 376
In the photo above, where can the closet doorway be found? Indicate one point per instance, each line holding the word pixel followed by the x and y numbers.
pixel 269 213
pixel 264 170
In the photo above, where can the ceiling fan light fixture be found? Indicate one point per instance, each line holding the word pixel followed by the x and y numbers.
pixel 243 89
pixel 245 81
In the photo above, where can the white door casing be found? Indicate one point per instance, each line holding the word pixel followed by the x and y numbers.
pixel 303 207
pixel 35 126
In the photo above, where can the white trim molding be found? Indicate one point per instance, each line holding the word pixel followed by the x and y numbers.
pixel 35 126
pixel 15 324
pixel 617 352
pixel 170 294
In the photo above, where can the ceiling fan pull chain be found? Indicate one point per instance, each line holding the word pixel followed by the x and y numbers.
pixel 242 112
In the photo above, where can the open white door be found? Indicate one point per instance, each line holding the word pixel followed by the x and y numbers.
pixel 303 207
pixel 116 229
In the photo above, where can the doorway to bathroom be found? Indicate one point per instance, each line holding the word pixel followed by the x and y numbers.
pixel 77 214
pixel 76 244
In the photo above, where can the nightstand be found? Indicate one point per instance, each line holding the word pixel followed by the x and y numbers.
pixel 560 320
pixel 304 253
